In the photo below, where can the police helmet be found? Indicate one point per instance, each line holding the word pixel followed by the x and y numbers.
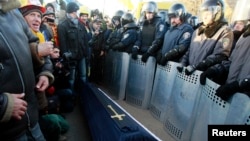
pixel 178 10
pixel 127 18
pixel 164 16
pixel 216 7
pixel 150 7
pixel 193 21
pixel 117 16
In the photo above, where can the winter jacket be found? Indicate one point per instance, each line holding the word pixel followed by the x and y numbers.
pixel 16 73
pixel 73 39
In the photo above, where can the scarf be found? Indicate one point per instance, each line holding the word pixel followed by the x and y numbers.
pixel 210 30
pixel 39 35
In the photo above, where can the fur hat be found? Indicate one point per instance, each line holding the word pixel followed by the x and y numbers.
pixel 32 7
pixel 72 7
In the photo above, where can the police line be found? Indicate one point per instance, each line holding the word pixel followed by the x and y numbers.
pixel 184 106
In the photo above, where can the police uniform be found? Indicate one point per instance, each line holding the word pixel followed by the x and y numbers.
pixel 175 38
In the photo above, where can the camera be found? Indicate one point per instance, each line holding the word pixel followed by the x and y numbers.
pixel 50 20
pixel 67 55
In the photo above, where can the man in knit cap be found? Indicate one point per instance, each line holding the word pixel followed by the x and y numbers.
pixel 73 41
pixel 18 104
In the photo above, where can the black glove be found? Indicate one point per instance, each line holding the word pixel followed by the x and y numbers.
pixel 118 46
pixel 172 54
pixel 245 85
pixel 189 70
pixel 180 68
pixel 209 73
pixel 134 55
pixel 202 66
pixel 144 57
pixel 227 90
pixel 134 52
pixel 152 49
pixel 163 60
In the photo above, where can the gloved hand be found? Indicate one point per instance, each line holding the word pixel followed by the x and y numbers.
pixel 145 57
pixel 180 68
pixel 202 66
pixel 134 52
pixel 164 60
pixel 153 49
pixel 172 54
pixel 245 85
pixel 118 46
pixel 189 70
pixel 227 90
pixel 134 55
pixel 209 73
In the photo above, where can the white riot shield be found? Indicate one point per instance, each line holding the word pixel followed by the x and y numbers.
pixel 239 110
pixel 140 82
pixel 119 74
pixel 163 84
pixel 241 11
pixel 182 106
pixel 211 110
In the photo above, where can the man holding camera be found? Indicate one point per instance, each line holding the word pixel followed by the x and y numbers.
pixel 73 44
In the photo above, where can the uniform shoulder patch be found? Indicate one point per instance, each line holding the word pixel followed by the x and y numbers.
pixel 186 35
pixel 161 27
pixel 225 42
pixel 125 36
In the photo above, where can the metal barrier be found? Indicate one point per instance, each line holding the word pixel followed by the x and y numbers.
pixel 181 107
pixel 162 89
pixel 211 110
pixel 140 82
pixel 117 73
pixel 239 110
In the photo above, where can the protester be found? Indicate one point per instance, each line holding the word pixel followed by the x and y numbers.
pixel 73 41
pixel 19 106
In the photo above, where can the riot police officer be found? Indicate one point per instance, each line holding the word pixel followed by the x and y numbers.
pixel 211 42
pixel 237 66
pixel 177 38
pixel 152 30
pixel 116 34
pixel 129 34
pixel 194 22
pixel 165 18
